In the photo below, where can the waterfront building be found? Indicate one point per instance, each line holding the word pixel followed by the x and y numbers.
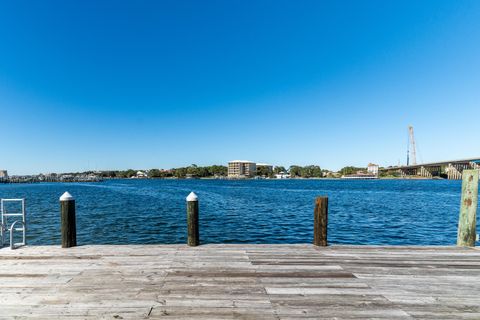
pixel 141 175
pixel 3 175
pixel 67 178
pixel 241 169
pixel 282 175
pixel 372 173
pixel 373 168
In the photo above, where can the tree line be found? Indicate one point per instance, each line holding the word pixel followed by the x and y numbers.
pixel 182 172
pixel 311 171
pixel 194 171
pixel 351 170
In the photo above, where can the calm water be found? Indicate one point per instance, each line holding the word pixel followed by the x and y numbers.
pixel 254 211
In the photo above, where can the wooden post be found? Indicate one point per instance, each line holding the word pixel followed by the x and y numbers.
pixel 320 221
pixel 192 220
pixel 467 221
pixel 68 223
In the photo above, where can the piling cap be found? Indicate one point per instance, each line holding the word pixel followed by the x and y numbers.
pixel 66 197
pixel 192 197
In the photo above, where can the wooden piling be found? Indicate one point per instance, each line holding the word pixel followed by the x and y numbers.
pixel 192 220
pixel 68 221
pixel 467 221
pixel 320 221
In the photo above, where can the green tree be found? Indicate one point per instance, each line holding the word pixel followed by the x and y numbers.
pixel 311 171
pixel 193 170
pixel 108 174
pixel 218 170
pixel 264 171
pixel 389 173
pixel 130 173
pixel 180 172
pixel 279 169
pixel 295 171
pixel 351 170
pixel 154 173
pixel 203 172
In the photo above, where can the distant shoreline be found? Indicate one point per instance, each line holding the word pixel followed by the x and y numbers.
pixel 223 178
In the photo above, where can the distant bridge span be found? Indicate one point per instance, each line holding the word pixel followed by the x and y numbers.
pixel 449 169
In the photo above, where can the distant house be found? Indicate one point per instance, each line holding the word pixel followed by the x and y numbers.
pixel 241 169
pixel 373 168
pixel 141 174
pixel 66 177
pixel 331 174
pixel 282 175
pixel 372 173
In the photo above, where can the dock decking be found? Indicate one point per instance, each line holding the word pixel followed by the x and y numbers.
pixel 239 282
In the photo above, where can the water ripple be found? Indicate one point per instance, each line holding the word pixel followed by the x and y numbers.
pixel 266 211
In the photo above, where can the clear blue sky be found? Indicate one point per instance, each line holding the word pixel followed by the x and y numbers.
pixel 159 84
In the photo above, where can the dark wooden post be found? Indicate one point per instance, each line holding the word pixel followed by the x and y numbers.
pixel 320 221
pixel 192 220
pixel 68 223
pixel 467 221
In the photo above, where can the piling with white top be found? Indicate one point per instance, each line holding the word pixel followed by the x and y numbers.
pixel 192 220
pixel 68 221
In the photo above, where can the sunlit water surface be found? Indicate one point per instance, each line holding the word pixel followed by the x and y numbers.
pixel 418 212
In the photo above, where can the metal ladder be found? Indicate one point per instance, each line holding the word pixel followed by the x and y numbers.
pixel 20 220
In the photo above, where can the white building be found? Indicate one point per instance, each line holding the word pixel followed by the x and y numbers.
pixel 3 174
pixel 141 174
pixel 373 168
pixel 282 175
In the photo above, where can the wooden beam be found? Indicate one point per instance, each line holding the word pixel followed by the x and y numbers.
pixel 320 221
pixel 192 220
pixel 68 221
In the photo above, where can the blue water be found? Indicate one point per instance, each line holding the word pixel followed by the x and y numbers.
pixel 252 211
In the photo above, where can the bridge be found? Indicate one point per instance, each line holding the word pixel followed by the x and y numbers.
pixel 447 169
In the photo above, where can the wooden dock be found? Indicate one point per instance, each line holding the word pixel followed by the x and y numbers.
pixel 239 282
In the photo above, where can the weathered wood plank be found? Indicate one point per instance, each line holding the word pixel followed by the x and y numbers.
pixel 240 282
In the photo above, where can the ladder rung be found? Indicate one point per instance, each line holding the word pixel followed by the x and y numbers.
pixel 15 229
pixel 12 214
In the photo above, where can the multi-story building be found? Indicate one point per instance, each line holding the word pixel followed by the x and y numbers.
pixel 241 169
pixel 3 174
pixel 373 168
